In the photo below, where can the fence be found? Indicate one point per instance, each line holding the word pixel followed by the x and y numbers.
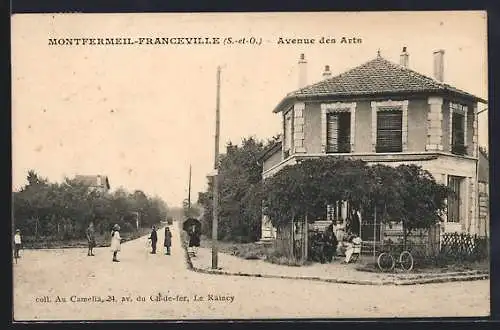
pixel 290 240
pixel 464 247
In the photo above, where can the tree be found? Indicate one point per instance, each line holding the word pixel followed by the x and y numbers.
pixel 422 200
pixel 64 209
pixel 406 194
pixel 239 211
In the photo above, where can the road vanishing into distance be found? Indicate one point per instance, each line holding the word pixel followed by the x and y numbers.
pixel 66 284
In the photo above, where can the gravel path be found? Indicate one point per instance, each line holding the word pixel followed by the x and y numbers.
pixel 146 286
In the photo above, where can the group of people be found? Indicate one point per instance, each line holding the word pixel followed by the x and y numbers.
pixel 116 240
pixel 345 241
pixel 167 242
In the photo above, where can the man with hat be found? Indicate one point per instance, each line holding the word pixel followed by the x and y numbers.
pixel 154 239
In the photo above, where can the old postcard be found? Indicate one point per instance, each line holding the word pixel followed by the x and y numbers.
pixel 250 166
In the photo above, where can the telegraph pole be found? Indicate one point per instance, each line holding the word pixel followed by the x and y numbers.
pixel 215 215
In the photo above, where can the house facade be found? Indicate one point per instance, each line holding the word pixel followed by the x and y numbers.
pixel 385 113
pixel 97 182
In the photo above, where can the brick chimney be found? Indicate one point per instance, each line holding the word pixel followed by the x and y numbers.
pixel 404 58
pixel 302 71
pixel 327 73
pixel 439 65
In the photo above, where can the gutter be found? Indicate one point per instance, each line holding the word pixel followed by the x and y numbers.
pixel 353 95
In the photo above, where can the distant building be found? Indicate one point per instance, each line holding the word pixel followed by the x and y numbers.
pixel 95 182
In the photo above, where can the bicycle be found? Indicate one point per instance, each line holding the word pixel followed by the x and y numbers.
pixel 386 261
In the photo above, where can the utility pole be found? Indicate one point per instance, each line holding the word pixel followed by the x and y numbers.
pixel 215 216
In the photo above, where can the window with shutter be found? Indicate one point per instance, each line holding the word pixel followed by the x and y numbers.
pixel 390 131
pixel 453 202
pixel 338 132
pixel 458 134
pixel 288 136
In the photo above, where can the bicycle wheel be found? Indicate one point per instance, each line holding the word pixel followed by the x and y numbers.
pixel 406 261
pixel 386 262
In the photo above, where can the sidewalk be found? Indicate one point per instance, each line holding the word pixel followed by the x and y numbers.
pixel 333 272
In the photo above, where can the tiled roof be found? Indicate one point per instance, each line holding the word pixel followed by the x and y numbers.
pixel 271 149
pixel 378 76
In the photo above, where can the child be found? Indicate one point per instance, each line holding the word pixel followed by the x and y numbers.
pixel 91 239
pixel 115 242
pixel 17 243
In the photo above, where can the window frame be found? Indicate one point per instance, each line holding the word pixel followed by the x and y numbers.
pixel 379 147
pixel 288 142
pixel 460 109
pixel 341 147
pixel 457 181
pixel 336 107
pixel 390 105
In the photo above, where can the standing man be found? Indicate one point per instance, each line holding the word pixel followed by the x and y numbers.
pixel 91 239
pixel 154 239
pixel 167 243
pixel 17 243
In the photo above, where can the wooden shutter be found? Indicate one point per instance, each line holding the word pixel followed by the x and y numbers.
pixel 338 132
pixel 390 131
pixel 332 128
pixel 453 203
pixel 457 128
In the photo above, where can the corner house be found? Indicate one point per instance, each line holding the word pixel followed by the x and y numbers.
pixel 386 113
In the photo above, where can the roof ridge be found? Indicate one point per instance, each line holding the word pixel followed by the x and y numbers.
pixel 336 76
pixel 417 74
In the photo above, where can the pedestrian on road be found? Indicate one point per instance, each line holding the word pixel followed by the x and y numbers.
pixel 17 243
pixel 116 241
pixel 91 239
pixel 167 243
pixel 154 239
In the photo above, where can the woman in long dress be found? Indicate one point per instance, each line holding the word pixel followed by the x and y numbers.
pixel 194 239
pixel 115 242
pixel 167 243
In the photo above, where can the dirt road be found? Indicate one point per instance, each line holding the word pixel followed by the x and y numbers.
pixel 68 285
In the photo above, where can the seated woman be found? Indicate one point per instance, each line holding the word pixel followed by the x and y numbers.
pixel 353 243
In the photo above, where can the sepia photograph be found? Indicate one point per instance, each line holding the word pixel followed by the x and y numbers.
pixel 250 166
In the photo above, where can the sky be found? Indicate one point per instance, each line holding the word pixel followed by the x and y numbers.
pixel 142 114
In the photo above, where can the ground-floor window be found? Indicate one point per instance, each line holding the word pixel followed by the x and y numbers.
pixel 454 199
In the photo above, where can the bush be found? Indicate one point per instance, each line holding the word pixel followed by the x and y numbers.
pixel 275 256
pixel 321 248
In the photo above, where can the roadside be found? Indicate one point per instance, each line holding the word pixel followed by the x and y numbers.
pixel 240 260
pixel 102 240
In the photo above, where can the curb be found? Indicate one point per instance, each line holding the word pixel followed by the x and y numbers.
pixel 456 278
pixel 189 263
pixel 437 278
